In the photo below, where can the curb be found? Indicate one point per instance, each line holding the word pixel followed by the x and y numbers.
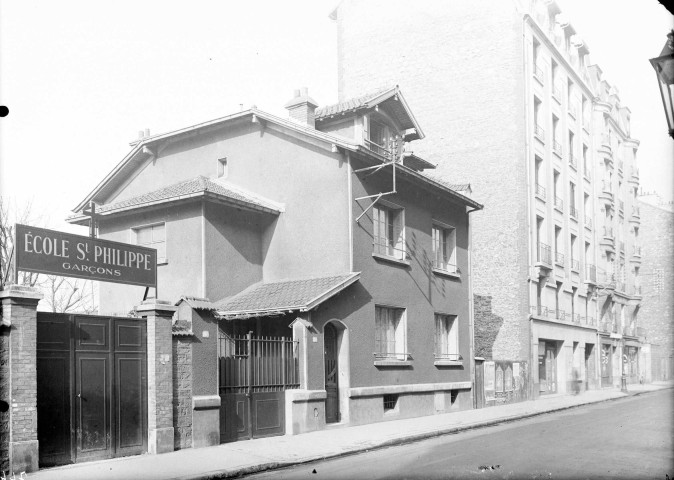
pixel 243 471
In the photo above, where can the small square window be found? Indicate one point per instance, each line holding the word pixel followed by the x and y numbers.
pixel 390 334
pixel 389 231
pixel 444 248
pixel 222 168
pixel 390 402
pixel 153 236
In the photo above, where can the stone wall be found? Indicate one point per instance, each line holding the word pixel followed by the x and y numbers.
pixel 4 396
pixel 182 391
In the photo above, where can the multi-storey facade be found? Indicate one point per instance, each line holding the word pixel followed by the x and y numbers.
pixel 656 316
pixel 513 105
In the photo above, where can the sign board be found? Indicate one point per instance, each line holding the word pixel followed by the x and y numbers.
pixel 57 253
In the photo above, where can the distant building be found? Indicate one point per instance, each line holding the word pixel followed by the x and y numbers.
pixel 656 314
pixel 320 275
pixel 513 105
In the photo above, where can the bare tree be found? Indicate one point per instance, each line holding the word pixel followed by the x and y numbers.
pixel 61 294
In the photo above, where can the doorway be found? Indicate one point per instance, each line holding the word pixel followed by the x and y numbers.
pixel 331 362
pixel 547 366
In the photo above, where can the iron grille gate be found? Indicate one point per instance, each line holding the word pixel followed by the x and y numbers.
pixel 254 374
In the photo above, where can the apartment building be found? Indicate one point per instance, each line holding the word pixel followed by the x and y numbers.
pixel 512 104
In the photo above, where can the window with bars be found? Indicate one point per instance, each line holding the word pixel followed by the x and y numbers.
pixel 389 231
pixel 446 338
pixel 444 248
pixel 390 402
pixel 390 334
pixel 153 236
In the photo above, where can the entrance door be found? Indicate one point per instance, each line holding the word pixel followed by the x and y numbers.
pixel 547 367
pixel 589 366
pixel 91 386
pixel 606 365
pixel 331 371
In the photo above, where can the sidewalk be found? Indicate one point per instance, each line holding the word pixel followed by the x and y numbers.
pixel 232 459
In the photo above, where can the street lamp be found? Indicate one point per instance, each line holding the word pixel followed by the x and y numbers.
pixel 664 69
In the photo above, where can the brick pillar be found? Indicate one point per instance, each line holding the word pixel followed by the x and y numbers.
pixel 18 382
pixel 158 314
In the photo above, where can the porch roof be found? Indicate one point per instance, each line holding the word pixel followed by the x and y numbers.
pixel 277 298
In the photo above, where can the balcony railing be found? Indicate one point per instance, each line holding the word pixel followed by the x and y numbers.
pixel 538 74
pixel 620 286
pixel 557 147
pixel 586 172
pixel 538 310
pixel 636 290
pixel 544 254
pixel 591 321
pixel 539 132
pixel 636 250
pixel 381 150
pixel 559 204
pixel 588 221
pixel 540 191
pixel 573 212
pixel 559 259
pixel 575 265
pixel 559 314
pixel 572 161
pixel 608 232
pixel 575 318
pixel 591 273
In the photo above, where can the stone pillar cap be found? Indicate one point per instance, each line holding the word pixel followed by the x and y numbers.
pixel 21 291
pixel 154 304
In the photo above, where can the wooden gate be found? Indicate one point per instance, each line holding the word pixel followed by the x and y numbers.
pixel 254 374
pixel 91 387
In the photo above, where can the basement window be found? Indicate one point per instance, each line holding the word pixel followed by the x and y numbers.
pixel 390 402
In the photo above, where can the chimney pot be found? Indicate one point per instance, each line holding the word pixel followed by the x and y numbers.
pixel 296 93
pixel 304 91
pixel 147 132
pixel 140 134
pixel 302 107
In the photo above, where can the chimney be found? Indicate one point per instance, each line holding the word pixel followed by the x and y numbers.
pixel 302 108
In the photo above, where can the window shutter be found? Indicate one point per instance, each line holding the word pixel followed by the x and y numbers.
pixel 453 346
pixel 400 332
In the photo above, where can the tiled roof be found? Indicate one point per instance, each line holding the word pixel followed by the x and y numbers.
pixel 197 303
pixel 284 296
pixel 198 185
pixel 349 105
pixel 457 187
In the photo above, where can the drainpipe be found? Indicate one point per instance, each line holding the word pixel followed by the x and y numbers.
pixel 471 305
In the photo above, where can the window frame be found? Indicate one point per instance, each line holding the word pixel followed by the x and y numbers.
pixel 161 260
pixel 382 357
pixel 446 340
pixel 448 232
pixel 399 249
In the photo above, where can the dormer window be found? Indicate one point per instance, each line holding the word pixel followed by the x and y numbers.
pixel 384 139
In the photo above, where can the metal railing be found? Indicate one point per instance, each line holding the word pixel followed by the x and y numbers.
pixel 539 132
pixel 575 318
pixel 573 212
pixel 544 254
pixel 591 321
pixel 575 265
pixel 559 314
pixel 559 259
pixel 591 273
pixel 559 204
pixel 540 191
pixel 381 150
pixel 539 310
pixel 447 357
pixel 557 147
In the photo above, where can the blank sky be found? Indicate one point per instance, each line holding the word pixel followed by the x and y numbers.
pixel 81 78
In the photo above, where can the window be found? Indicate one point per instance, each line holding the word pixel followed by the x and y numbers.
pixel 559 203
pixel 444 248
pixel 572 200
pixel 222 168
pixel 538 128
pixel 390 402
pixel 575 264
pixel 555 88
pixel 153 236
pixel 447 338
pixel 389 231
pixel 539 177
pixel 390 334
pixel 556 146
pixel 572 150
pixel 559 247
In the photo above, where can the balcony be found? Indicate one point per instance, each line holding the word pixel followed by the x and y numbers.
pixel 540 191
pixel 588 222
pixel 573 212
pixel 544 255
pixel 557 148
pixel 381 150
pixel 575 265
pixel 591 321
pixel 605 147
pixel 559 315
pixel 538 75
pixel 590 274
pixel 630 331
pixel 606 193
pixel 636 290
pixel 559 259
pixel 539 133
pixel 559 204
pixel 573 162
pixel 620 286
pixel 636 215
pixel 608 280
pixel 634 177
pixel 575 318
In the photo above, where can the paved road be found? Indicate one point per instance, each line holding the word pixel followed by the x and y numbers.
pixel 627 438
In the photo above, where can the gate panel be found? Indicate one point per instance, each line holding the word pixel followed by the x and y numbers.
pixel 54 391
pixel 234 417
pixel 93 406
pixel 268 414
